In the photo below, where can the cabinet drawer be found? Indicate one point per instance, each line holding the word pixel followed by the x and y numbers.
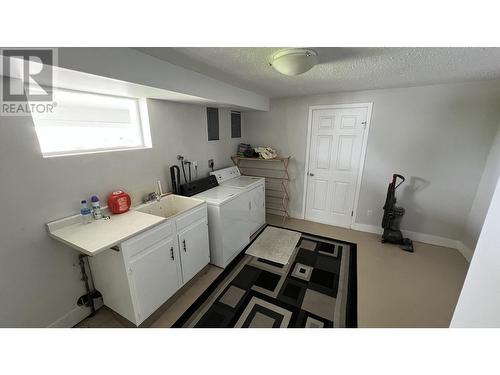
pixel 144 240
pixel 189 218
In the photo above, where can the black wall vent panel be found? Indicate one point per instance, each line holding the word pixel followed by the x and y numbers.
pixel 235 124
pixel 213 123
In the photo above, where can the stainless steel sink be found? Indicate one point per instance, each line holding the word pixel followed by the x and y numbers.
pixel 169 206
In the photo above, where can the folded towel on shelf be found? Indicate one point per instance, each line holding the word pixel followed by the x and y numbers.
pixel 266 152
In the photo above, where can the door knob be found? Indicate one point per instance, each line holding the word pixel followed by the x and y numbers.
pixel 311 174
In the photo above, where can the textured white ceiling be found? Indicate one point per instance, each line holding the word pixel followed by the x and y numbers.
pixel 339 69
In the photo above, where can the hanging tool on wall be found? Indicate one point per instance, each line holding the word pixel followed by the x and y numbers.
pixel 189 168
pixel 181 162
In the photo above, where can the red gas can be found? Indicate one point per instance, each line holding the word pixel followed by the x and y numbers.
pixel 119 202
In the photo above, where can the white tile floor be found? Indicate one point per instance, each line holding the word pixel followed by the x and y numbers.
pixel 395 288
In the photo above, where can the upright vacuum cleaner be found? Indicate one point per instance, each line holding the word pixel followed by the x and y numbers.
pixel 392 217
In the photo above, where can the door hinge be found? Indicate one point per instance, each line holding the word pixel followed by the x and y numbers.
pixel 352 213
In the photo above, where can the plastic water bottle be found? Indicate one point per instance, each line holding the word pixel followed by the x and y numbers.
pixel 96 207
pixel 85 213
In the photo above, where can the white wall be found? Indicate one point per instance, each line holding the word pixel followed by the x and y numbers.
pixel 39 279
pixel 479 301
pixel 437 136
pixel 483 196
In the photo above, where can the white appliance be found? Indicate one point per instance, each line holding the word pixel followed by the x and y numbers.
pixel 253 186
pixel 228 223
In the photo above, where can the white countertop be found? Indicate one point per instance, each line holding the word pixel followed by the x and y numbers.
pixel 99 235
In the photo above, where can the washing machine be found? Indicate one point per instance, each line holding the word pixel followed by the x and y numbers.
pixel 228 222
pixel 253 187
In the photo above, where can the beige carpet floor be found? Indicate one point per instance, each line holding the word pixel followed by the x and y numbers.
pixel 395 288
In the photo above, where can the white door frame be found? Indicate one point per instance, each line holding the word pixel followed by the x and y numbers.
pixel 369 107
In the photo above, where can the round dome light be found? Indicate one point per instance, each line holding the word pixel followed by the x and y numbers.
pixel 294 61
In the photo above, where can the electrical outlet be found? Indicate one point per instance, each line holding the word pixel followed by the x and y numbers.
pixel 195 163
pixel 211 163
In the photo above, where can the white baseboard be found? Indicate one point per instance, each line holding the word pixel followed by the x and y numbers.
pixel 421 237
pixel 295 215
pixel 431 239
pixel 367 228
pixel 72 318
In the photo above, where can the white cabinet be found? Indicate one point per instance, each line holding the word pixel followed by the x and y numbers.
pixel 257 216
pixel 154 277
pixel 193 243
pixel 149 268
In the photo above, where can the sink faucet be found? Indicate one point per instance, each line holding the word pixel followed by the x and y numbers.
pixel 156 195
pixel 150 197
pixel 160 189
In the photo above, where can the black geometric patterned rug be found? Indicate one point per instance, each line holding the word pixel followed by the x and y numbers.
pixel 316 289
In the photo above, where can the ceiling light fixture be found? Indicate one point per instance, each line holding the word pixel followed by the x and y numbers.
pixel 294 61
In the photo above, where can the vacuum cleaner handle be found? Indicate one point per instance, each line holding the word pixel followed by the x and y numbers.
pixel 396 176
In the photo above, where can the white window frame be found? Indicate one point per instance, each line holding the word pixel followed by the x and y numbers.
pixel 145 130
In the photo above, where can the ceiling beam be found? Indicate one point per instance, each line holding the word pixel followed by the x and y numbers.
pixel 130 65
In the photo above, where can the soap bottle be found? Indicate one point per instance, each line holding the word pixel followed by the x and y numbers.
pixel 85 213
pixel 96 207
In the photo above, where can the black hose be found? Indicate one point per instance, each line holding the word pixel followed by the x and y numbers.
pixel 184 171
pixel 176 178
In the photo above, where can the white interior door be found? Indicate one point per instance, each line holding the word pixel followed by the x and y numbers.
pixel 334 160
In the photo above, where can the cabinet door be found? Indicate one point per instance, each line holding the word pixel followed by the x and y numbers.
pixel 257 208
pixel 154 277
pixel 194 249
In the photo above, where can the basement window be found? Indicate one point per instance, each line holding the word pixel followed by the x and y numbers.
pixel 84 122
